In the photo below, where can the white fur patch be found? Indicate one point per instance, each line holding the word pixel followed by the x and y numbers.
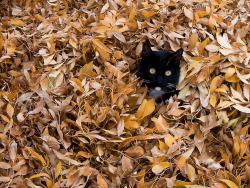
pixel 156 93
pixel 157 88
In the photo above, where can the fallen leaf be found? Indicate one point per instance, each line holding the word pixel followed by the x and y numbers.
pixel 98 43
pixel 145 109
pixel 18 22
pixel 101 182
pixel 229 183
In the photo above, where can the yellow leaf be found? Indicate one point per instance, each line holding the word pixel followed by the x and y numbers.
pixel 56 185
pixel 222 90
pixel 141 109
pixel 87 107
pixel 131 125
pixel 230 183
pixel 10 110
pixel 212 100
pixel 128 90
pixel 98 43
pixel 200 48
pixel 148 14
pixel 101 182
pixel 100 29
pixel 37 156
pixel 191 172
pixel 39 17
pixel 140 174
pixel 181 161
pixel 58 169
pixel 204 43
pixel 132 25
pixel 193 40
pixel 146 108
pixel 11 49
pixel 184 183
pixel 163 146
pixel 40 175
pixel 211 22
pixel 201 13
pixel 214 59
pixel 214 83
pixel 15 73
pixel 118 54
pixel 233 79
pixel 169 140
pixel 214 2
pixel 86 70
pixel 17 22
pixel 132 15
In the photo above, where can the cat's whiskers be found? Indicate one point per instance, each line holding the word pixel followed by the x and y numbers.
pixel 146 81
pixel 171 86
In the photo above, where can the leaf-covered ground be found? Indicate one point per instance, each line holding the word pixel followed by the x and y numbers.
pixel 73 113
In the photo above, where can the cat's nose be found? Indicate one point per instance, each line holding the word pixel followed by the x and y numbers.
pixel 158 88
pixel 159 80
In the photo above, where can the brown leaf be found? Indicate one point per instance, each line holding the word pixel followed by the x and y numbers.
pixel 13 151
pixel 191 172
pixel 126 165
pixel 101 182
pixel 135 151
pixel 119 36
pixel 193 40
pixel 188 13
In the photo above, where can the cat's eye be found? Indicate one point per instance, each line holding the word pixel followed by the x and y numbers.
pixel 168 73
pixel 152 71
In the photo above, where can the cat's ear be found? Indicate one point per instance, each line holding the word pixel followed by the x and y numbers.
pixel 147 51
pixel 175 57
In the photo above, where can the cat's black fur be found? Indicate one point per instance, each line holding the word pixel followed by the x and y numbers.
pixel 161 86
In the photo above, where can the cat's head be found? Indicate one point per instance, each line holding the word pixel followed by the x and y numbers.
pixel 160 70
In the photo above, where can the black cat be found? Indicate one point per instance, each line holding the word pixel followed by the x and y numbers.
pixel 160 71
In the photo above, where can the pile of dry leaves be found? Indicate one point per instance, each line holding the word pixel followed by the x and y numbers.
pixel 73 113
